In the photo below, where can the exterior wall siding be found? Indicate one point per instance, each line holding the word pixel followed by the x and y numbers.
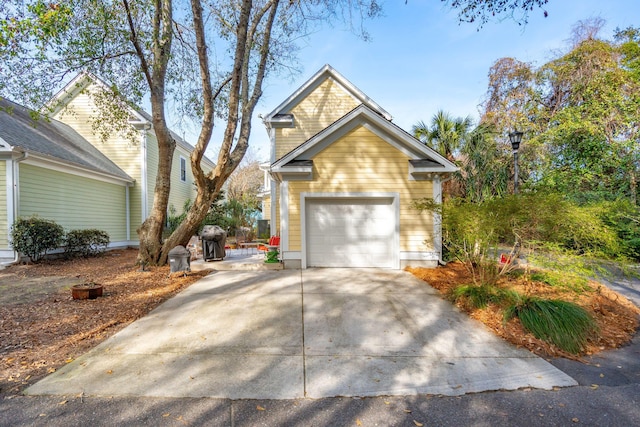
pixel 4 226
pixel 362 162
pixel 266 207
pixel 181 191
pixel 124 153
pixel 326 104
pixel 73 202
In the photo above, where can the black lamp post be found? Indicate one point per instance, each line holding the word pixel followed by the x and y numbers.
pixel 515 137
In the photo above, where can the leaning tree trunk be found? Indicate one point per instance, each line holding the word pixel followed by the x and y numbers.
pixel 239 100
pixel 155 71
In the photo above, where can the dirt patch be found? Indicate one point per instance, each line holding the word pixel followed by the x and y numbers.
pixel 19 290
pixel 42 327
pixel 616 316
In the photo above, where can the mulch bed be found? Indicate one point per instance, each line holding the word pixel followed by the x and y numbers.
pixel 616 316
pixel 39 336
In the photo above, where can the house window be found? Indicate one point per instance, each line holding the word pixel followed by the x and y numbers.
pixel 183 169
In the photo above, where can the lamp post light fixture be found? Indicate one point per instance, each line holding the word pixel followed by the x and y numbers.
pixel 516 138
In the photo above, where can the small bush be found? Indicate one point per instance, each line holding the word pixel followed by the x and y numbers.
pixel 35 236
pixel 564 324
pixel 86 243
pixel 563 279
pixel 474 296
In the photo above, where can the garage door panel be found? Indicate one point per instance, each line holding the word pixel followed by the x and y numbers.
pixel 351 232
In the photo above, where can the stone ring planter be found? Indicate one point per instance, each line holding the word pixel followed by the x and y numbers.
pixel 86 291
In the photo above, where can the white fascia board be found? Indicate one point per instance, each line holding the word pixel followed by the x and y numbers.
pixel 5 147
pixel 377 124
pixel 293 173
pixel 69 91
pixel 326 72
pixel 427 172
pixel 72 169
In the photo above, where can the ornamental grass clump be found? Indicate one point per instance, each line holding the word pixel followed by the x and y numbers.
pixel 480 296
pixel 561 323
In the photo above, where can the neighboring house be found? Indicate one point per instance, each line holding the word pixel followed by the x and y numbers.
pixel 60 169
pixel 343 178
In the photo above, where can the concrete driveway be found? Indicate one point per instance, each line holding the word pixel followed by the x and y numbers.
pixel 311 333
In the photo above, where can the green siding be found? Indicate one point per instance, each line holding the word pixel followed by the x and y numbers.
pixel 72 201
pixel 181 191
pixel 4 227
pixel 124 153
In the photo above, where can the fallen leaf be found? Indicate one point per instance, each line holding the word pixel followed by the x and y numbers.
pixel 68 360
pixel 358 422
pixel 64 402
pixel 109 372
pixel 417 423
pixel 594 386
pixel 42 415
pixel 387 403
pixel 51 370
pixel 260 408
pixel 168 414
pixel 408 411
pixel 561 405
pixel 575 420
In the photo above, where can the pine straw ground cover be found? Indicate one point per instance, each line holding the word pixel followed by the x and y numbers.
pixel 45 328
pixel 616 316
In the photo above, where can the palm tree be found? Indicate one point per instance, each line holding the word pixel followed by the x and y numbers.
pixel 446 134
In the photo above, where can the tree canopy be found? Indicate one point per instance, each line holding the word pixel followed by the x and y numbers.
pixel 580 112
pixel 207 60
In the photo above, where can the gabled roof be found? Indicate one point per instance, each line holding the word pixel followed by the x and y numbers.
pixel 423 159
pixel 326 72
pixel 139 117
pixel 52 140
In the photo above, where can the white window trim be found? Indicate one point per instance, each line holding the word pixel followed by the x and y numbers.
pixel 183 159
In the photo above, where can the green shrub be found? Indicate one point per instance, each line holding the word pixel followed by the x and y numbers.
pixel 86 243
pixel 564 324
pixel 479 296
pixel 35 236
pixel 565 280
pixel 474 296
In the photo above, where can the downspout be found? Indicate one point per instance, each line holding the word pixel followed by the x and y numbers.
pixel 16 199
pixel 273 191
pixel 127 212
pixel 144 188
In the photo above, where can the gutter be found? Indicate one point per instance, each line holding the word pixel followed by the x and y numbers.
pixel 15 172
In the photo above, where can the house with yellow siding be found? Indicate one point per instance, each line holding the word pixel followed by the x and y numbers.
pixel 342 179
pixel 60 169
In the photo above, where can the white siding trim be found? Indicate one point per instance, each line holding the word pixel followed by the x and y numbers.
pixel 183 160
pixel 284 216
pixel 144 187
pixel 292 255
pixel 127 214
pixel 437 218
pixel 10 195
pixel 7 255
pixel 373 195
pixel 274 210
pixel 72 169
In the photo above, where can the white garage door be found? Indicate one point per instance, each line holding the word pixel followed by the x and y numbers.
pixel 346 232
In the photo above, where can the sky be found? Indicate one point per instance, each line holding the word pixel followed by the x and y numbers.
pixel 420 59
